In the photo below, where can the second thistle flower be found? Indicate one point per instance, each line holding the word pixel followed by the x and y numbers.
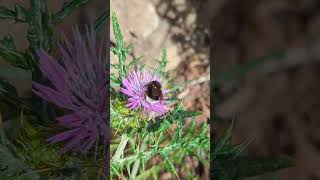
pixel 78 84
pixel 145 91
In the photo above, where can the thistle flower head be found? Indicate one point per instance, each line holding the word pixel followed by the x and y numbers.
pixel 137 86
pixel 79 84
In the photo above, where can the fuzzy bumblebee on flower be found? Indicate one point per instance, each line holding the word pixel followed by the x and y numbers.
pixel 145 90
pixel 145 98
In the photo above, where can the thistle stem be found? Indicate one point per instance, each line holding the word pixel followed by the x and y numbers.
pixel 137 162
pixel 122 145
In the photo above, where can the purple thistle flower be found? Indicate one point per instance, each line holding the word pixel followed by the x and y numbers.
pixel 78 84
pixel 135 86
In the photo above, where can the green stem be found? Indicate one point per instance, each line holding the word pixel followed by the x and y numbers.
pixel 137 162
pixel 2 134
pixel 122 145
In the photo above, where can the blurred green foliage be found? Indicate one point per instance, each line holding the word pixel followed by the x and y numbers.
pixel 25 122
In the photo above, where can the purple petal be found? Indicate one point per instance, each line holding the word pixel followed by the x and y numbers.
pixel 63 136
pixel 75 141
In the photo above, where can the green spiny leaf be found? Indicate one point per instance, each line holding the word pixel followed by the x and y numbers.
pixel 162 64
pixel 8 53
pixel 117 32
pixel 170 164
pixel 12 167
pixel 67 9
pixel 119 49
pixel 6 13
pixel 40 34
pixel 19 15
pixel 249 166
pixel 101 21
pixel 6 87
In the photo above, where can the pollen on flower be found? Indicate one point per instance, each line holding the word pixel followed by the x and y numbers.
pixel 145 91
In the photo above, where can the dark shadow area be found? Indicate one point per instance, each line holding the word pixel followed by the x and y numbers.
pixel 266 70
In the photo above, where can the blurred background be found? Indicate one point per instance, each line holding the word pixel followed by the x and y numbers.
pixel 266 69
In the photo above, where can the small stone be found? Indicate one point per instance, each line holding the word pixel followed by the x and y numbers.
pixel 137 17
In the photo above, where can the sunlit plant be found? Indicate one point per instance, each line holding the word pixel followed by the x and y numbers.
pixel 150 133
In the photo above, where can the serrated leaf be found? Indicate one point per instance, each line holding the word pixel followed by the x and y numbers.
pixel 9 53
pixel 6 13
pixel 19 15
pixel 116 30
pixel 245 166
pixel 13 167
pixel 159 124
pixel 8 42
pixel 120 50
pixel 135 61
pixel 40 33
pixel 67 9
pixel 162 64
pixel 101 21
pixel 6 87
pixel 170 164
